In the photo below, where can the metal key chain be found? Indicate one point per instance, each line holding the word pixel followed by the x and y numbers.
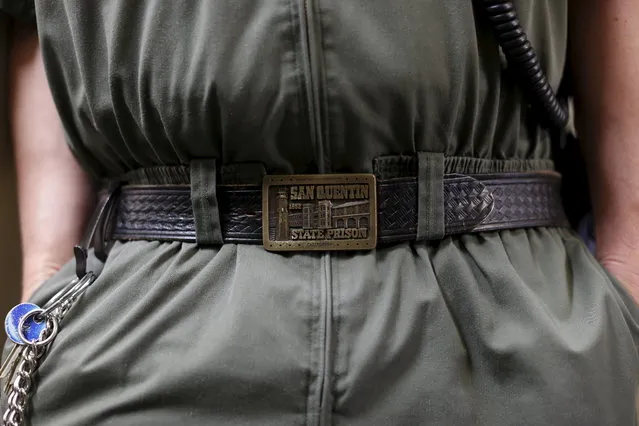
pixel 33 329
pixel 36 329
pixel 17 318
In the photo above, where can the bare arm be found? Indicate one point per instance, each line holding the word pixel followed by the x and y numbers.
pixel 54 194
pixel 605 54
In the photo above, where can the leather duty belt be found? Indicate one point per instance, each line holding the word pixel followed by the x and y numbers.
pixel 340 211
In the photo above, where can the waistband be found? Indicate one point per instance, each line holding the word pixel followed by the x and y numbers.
pixel 413 202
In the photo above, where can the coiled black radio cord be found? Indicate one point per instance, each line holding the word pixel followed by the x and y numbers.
pixel 523 60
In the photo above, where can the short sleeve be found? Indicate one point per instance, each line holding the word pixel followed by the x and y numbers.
pixel 23 10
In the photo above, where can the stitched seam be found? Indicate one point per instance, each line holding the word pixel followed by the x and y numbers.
pixel 323 86
pixel 327 348
pixel 310 320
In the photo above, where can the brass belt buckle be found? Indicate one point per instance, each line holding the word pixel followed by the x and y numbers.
pixel 319 212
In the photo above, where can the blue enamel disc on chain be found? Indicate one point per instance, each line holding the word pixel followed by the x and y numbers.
pixel 32 328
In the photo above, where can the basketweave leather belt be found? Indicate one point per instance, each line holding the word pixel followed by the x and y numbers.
pixel 340 212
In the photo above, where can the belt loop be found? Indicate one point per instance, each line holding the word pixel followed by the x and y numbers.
pixel 208 229
pixel 430 196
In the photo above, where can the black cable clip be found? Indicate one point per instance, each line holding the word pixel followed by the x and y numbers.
pixel 97 230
